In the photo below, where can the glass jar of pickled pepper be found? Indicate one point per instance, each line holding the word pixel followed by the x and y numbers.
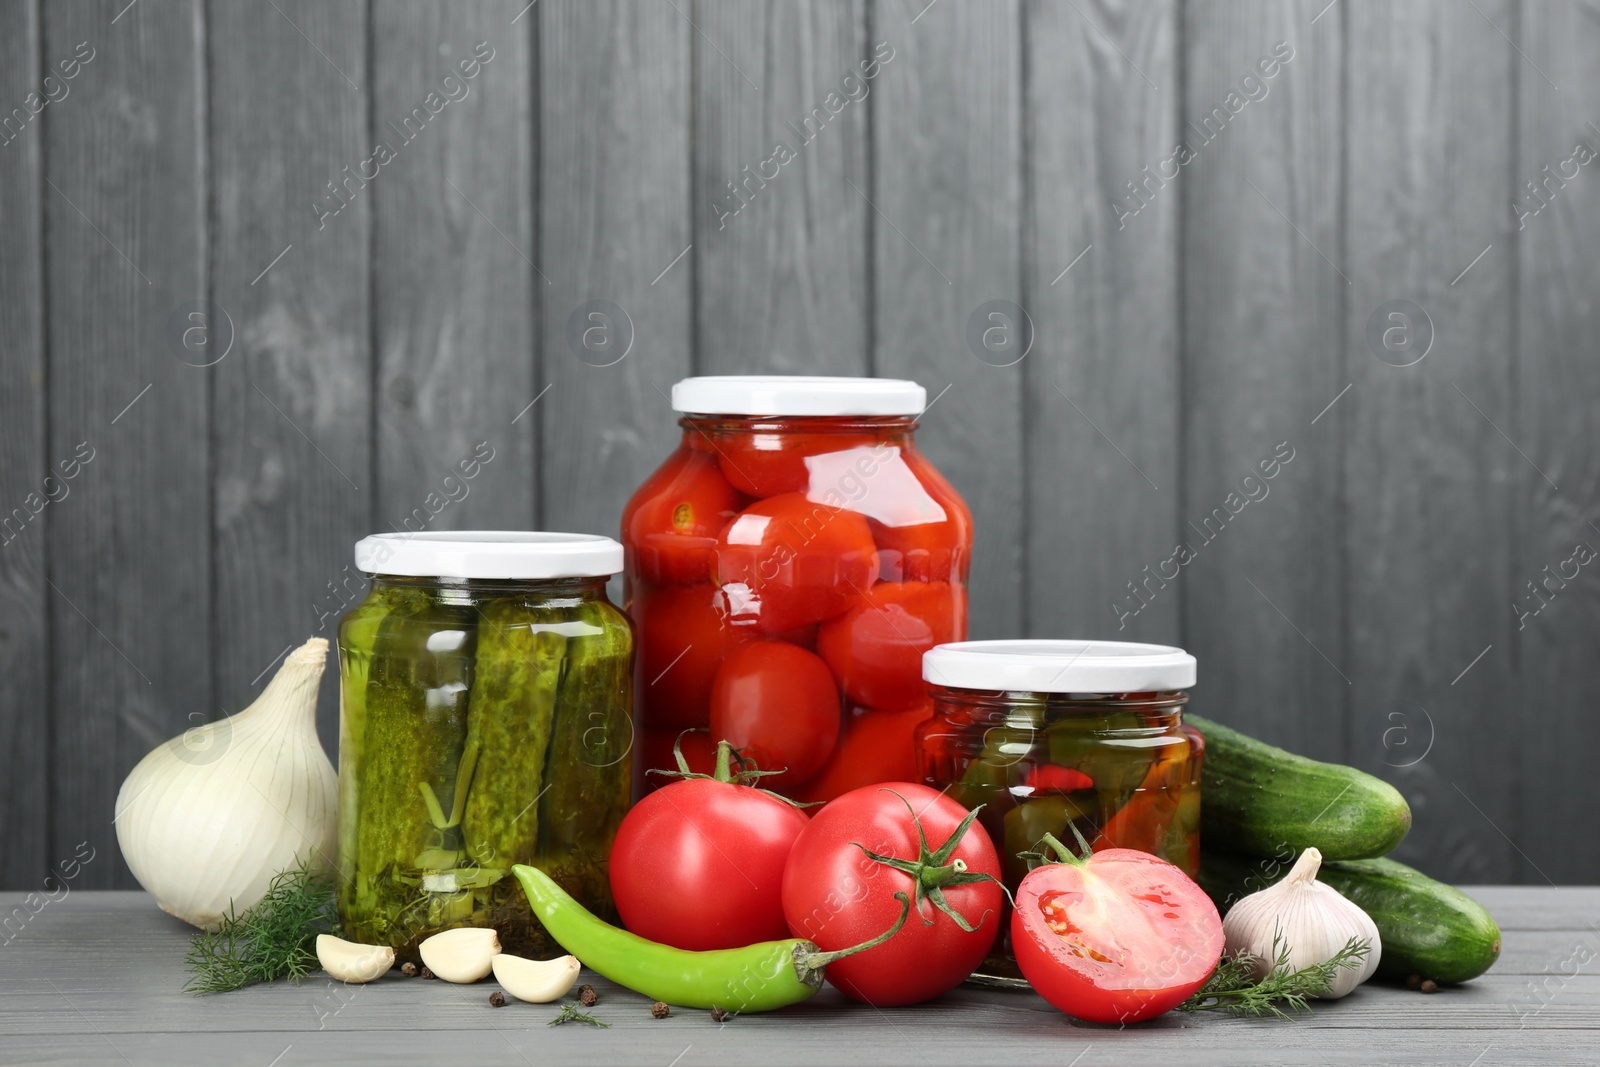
pixel 1054 735
pixel 787 566
pixel 485 720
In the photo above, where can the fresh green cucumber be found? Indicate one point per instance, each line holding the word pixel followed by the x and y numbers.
pixel 1428 929
pixel 1263 801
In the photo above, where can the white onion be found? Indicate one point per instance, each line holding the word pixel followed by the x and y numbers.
pixel 208 818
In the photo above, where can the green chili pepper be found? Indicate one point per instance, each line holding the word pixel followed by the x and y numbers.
pixel 760 977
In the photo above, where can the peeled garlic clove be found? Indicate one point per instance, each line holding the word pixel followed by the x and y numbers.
pixel 536 981
pixel 353 963
pixel 462 955
pixel 1314 922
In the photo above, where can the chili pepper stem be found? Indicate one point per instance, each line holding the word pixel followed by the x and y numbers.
pixel 807 960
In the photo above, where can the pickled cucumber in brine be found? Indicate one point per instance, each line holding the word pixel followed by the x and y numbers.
pixel 483 725
pixel 522 654
pixel 590 761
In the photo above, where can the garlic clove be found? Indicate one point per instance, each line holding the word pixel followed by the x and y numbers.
pixel 353 963
pixel 465 954
pixel 536 981
pixel 1313 920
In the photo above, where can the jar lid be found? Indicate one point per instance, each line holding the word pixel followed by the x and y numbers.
pixel 1059 666
pixel 795 394
pixel 489 554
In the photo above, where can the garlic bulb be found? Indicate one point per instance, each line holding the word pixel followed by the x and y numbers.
pixel 208 818
pixel 1315 922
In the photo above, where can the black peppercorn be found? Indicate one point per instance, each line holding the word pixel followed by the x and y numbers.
pixel 497 999
pixel 427 973
pixel 1430 986
pixel 587 996
pixel 659 1010
pixel 719 1014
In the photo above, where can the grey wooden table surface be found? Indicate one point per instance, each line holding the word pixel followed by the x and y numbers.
pixel 96 977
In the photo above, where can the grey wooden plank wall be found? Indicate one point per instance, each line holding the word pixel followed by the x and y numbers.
pixel 1206 210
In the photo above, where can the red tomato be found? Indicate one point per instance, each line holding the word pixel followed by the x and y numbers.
pixel 699 864
pixel 682 636
pixel 670 525
pixel 875 649
pixel 930 551
pixel 1116 938
pixel 874 746
pixel 789 562
pixel 777 704
pixel 766 464
pixel 836 896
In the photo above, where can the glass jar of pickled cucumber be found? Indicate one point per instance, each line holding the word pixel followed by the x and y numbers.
pixel 1052 736
pixel 485 720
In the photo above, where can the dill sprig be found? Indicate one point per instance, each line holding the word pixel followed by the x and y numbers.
pixel 570 1013
pixel 274 939
pixel 1233 986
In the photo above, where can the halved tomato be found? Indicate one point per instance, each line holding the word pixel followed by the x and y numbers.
pixel 875 649
pixel 1115 937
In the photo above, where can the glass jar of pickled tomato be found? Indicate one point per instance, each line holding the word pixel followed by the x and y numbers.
pixel 787 566
pixel 485 720
pixel 1052 736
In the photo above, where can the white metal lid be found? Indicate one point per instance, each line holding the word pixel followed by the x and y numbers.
pixel 1059 666
pixel 489 554
pixel 795 394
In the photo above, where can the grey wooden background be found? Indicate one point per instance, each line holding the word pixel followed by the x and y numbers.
pixel 1363 610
